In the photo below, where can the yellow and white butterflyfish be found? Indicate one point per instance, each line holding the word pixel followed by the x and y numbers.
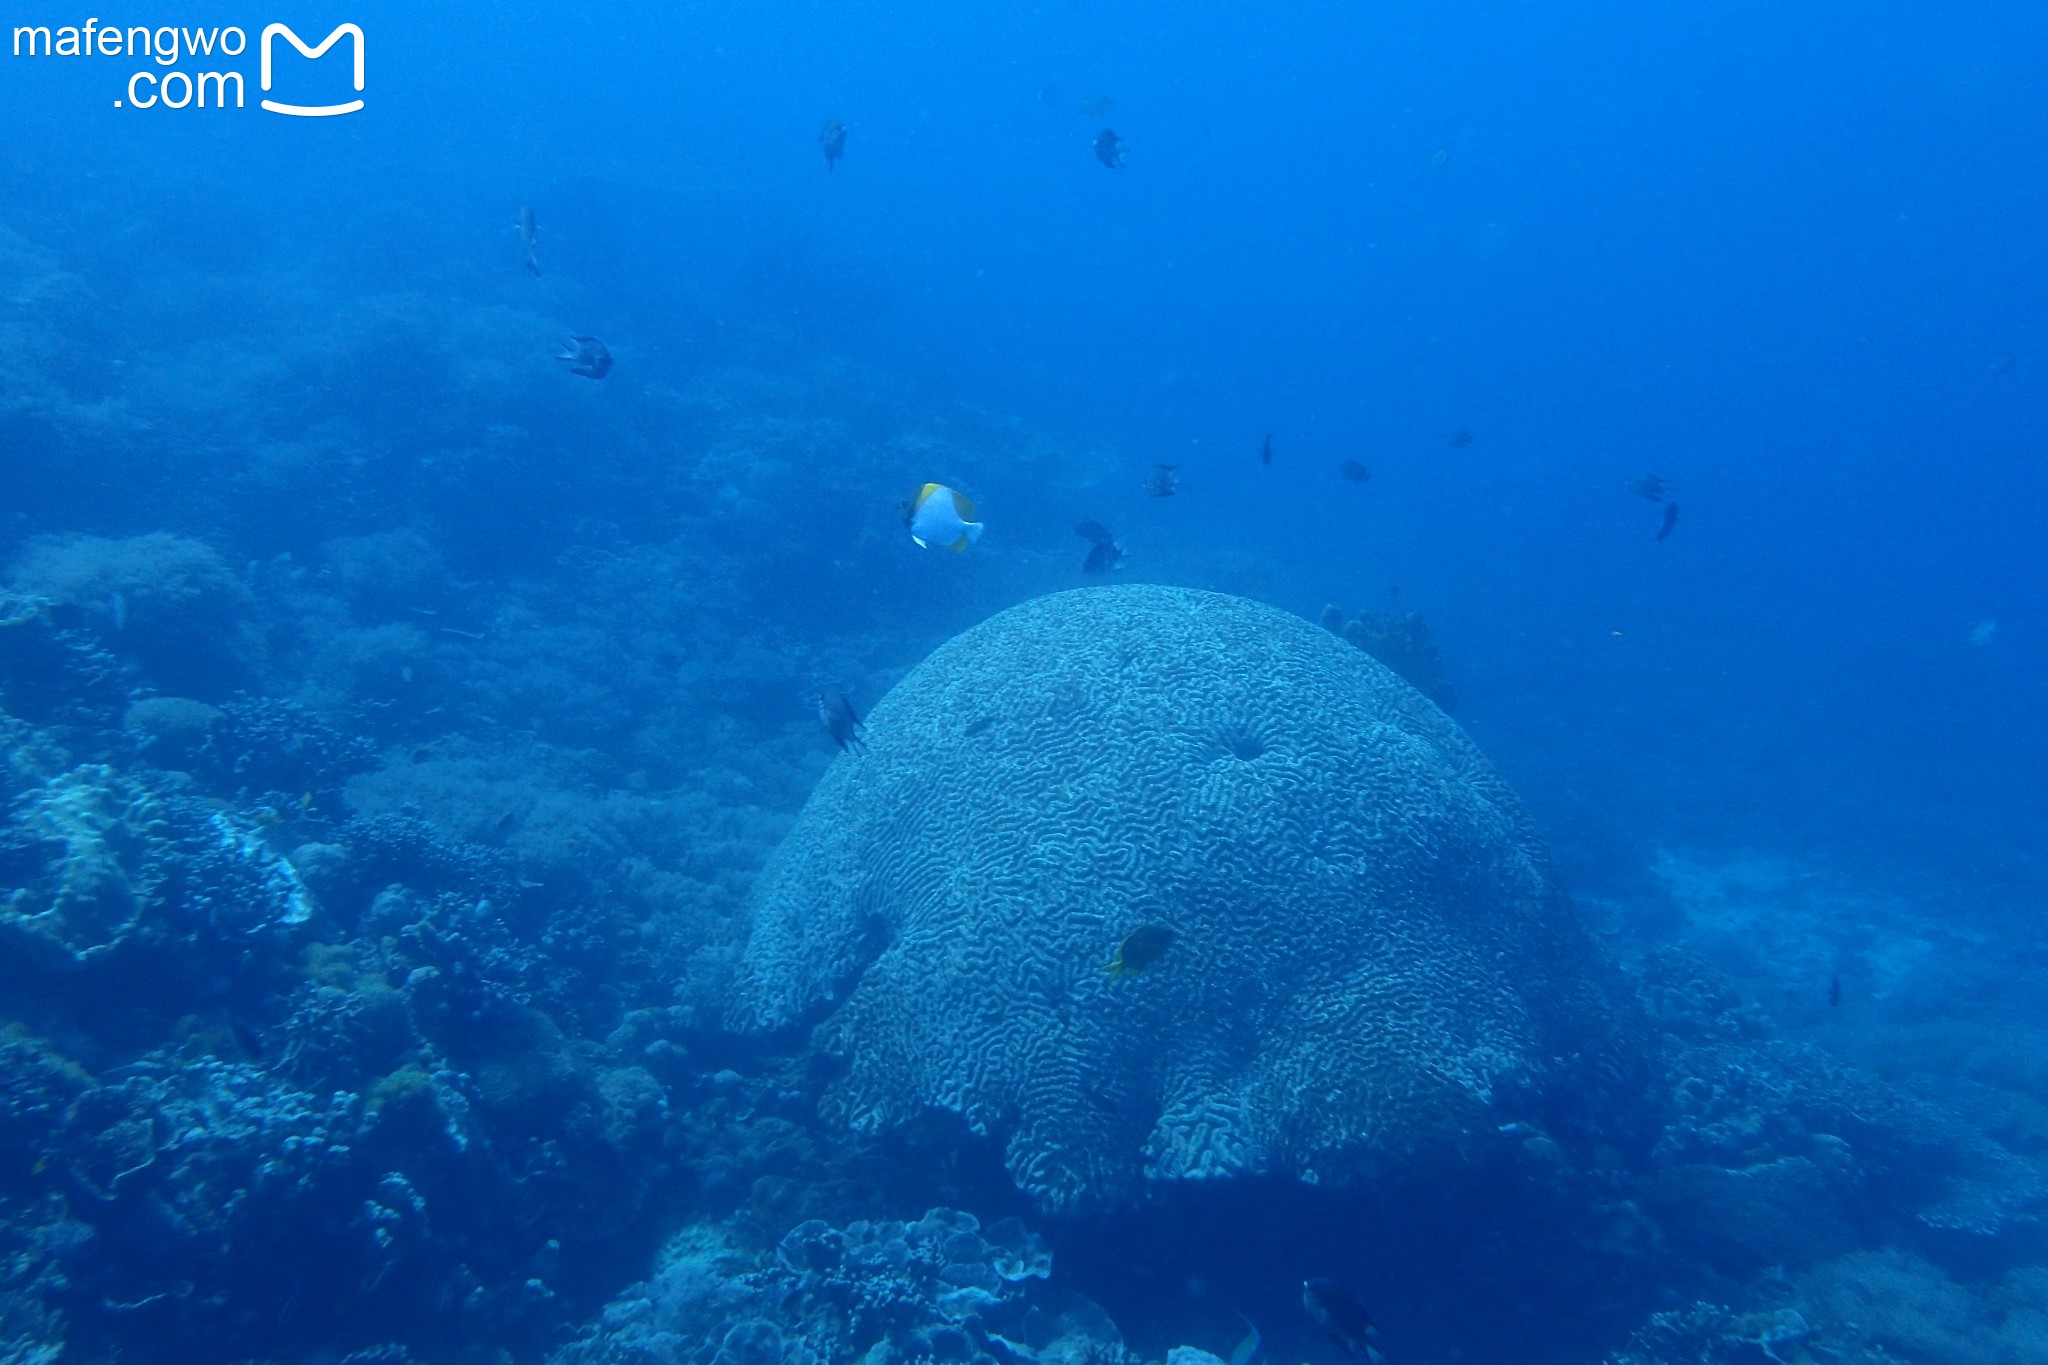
pixel 940 516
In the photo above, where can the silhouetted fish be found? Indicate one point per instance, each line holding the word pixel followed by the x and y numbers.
pixel 1351 471
pixel 247 1039
pixel 1109 149
pixel 1142 947
pixel 1247 1348
pixel 1104 553
pixel 588 357
pixel 1650 487
pixel 1162 482
pixel 1670 523
pixel 1461 438
pixel 832 142
pixel 1343 1319
pixel 529 237
pixel 1102 558
pixel 1266 449
pixel 836 714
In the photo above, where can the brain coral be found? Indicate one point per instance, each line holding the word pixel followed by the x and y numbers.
pixel 1371 963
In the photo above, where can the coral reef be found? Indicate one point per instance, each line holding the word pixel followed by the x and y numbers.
pixel 105 867
pixel 390 739
pixel 1710 1334
pixel 314 1050
pixel 1867 1308
pixel 133 581
pixel 56 673
pixel 233 1087
pixel 174 729
pixel 1371 967
pixel 403 1125
pixel 167 600
pixel 942 1288
pixel 1403 642
pixel 1775 1152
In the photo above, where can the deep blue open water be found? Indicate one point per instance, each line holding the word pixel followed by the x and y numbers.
pixel 398 713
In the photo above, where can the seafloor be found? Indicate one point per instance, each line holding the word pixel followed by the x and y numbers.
pixel 392 728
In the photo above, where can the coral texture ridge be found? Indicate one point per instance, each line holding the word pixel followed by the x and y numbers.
pixel 1370 960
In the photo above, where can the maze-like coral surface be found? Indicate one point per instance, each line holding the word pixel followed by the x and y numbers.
pixel 1370 960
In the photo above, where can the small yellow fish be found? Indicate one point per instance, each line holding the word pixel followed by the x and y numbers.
pixel 1142 947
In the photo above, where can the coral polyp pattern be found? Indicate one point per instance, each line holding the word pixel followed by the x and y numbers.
pixel 1370 965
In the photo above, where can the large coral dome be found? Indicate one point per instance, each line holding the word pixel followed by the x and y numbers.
pixel 1369 963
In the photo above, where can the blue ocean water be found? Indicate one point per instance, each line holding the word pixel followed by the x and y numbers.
pixel 397 724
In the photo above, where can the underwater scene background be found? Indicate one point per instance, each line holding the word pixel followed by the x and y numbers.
pixel 444 547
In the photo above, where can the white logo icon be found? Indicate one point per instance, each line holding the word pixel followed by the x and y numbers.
pixel 312 54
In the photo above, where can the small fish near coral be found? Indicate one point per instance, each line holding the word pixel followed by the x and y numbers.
pixel 837 715
pixel 1109 149
pixel 1351 471
pixel 1247 1348
pixel 1343 1319
pixel 1670 522
pixel 529 237
pixel 939 516
pixel 588 357
pixel 1142 947
pixel 1104 553
pixel 832 142
pixel 1163 481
